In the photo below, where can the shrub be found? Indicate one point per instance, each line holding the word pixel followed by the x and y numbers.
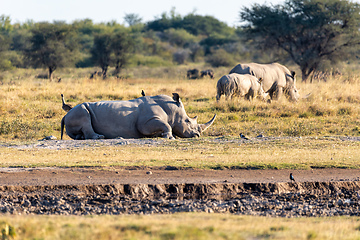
pixel 220 58
pixel 181 56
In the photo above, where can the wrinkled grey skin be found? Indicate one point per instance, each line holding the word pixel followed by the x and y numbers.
pixel 243 85
pixel 276 78
pixel 147 116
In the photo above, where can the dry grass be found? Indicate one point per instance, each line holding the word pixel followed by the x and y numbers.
pixel 203 153
pixel 30 108
pixel 182 226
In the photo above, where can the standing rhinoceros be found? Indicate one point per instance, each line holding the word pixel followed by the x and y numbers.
pixel 142 117
pixel 243 85
pixel 276 78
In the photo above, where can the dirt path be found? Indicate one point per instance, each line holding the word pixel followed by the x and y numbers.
pixel 96 176
pixel 162 175
pixel 144 190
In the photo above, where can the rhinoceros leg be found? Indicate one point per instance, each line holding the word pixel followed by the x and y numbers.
pixel 228 95
pixel 78 125
pixel 250 95
pixel 156 127
pixel 278 93
pixel 218 95
pixel 89 132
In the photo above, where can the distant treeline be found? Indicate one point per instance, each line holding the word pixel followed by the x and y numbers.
pixel 168 40
pixel 314 34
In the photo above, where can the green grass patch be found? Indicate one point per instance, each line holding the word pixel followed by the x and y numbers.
pixel 202 153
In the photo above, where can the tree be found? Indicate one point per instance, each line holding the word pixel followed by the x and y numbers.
pixel 204 25
pixel 5 29
pixel 220 58
pixel 309 31
pixel 121 46
pixel 50 46
pixel 101 51
pixel 193 24
pixel 132 19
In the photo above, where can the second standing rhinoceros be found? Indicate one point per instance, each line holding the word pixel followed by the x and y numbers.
pixel 276 78
pixel 243 85
pixel 146 116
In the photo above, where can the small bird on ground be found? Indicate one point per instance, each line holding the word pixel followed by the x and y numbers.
pixel 292 177
pixel 65 107
pixel 243 136
pixel 142 93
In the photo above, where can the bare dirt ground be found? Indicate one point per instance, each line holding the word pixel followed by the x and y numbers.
pixel 144 190
pixel 165 175
pixel 160 175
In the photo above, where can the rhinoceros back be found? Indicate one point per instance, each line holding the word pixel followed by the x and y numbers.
pixel 270 73
pixel 114 118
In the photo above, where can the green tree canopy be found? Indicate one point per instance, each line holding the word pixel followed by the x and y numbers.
pixel 112 47
pixel 132 19
pixel 122 45
pixel 101 51
pixel 5 41
pixel 310 31
pixel 192 23
pixel 50 46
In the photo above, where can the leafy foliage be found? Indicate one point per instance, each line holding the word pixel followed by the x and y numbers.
pixel 49 46
pixel 310 31
pixel 314 34
pixel 194 24
pixel 121 44
pixel 220 58
pixel 101 51
pixel 5 28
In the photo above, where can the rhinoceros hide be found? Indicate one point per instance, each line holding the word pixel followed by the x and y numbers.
pixel 146 116
pixel 276 78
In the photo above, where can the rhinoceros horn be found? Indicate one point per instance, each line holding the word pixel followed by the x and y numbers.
pixel 307 95
pixel 208 124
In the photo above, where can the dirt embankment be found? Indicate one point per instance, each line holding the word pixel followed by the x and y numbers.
pixel 264 199
pixel 151 191
pixel 139 190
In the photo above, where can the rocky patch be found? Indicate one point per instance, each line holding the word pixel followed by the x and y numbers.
pixel 269 199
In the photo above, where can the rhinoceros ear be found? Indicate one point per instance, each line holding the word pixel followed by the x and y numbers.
pixel 176 97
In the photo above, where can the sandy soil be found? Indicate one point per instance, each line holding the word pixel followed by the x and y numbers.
pixel 163 175
pixel 144 190
pixel 96 176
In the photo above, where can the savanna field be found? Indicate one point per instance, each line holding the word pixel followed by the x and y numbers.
pixel 310 133
pixel 31 106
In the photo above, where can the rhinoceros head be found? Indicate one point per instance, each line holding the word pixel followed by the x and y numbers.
pixel 291 87
pixel 187 127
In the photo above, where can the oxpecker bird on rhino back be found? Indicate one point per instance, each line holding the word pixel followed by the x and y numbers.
pixel 148 116
pixel 276 78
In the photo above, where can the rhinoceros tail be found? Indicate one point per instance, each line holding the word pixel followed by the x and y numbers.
pixel 208 124
pixel 62 127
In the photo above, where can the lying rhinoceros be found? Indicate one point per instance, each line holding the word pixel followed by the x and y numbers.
pixel 276 78
pixel 243 85
pixel 146 116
